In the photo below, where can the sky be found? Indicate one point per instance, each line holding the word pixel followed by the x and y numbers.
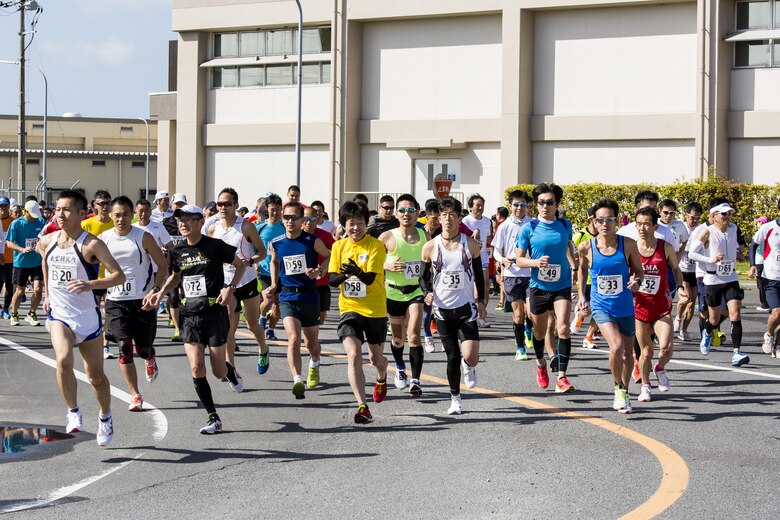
pixel 102 58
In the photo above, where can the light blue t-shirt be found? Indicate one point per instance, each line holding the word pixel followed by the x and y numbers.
pixel 542 239
pixel 268 232
pixel 24 233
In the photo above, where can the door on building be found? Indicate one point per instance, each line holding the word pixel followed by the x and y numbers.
pixel 426 169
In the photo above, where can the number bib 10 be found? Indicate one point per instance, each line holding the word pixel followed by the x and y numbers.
pixel 294 264
pixel 195 286
pixel 354 288
pixel 412 270
pixel 610 285
pixel 123 290
pixel 650 284
pixel 551 273
pixel 61 274
pixel 725 268
pixel 451 280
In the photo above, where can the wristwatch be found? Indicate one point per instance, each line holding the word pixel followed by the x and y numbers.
pixel 155 289
pixel 232 287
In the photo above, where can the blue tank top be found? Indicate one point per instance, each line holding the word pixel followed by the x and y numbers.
pixel 295 256
pixel 609 282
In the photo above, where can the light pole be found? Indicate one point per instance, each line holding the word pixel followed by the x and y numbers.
pixel 300 95
pixel 147 154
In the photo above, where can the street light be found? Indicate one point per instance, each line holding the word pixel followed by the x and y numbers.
pixel 147 154
pixel 300 95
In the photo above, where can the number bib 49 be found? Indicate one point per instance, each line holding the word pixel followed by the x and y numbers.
pixel 195 286
pixel 551 273
pixel 61 274
pixel 451 280
pixel 650 284
pixel 610 285
pixel 412 270
pixel 294 264
pixel 725 268
pixel 354 288
pixel 125 289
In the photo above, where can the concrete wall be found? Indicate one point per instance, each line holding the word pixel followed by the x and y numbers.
pixel 268 105
pixel 755 160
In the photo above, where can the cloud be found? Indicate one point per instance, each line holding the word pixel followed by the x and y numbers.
pixel 111 52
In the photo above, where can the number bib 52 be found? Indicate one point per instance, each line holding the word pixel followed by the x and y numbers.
pixel 650 284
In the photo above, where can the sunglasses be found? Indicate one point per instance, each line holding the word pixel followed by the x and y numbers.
pixel 185 220
pixel 725 213
pixel 604 220
pixel 308 219
pixel 406 210
pixel 290 217
pixel 668 212
pixel 519 204
pixel 387 208
pixel 103 204
pixel 694 217
pixel 546 202
pixel 224 204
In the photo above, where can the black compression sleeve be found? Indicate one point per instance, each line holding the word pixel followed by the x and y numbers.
pixel 426 278
pixel 335 279
pixel 752 254
pixel 366 278
pixel 479 278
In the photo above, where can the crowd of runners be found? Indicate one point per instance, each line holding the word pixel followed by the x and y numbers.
pixel 105 271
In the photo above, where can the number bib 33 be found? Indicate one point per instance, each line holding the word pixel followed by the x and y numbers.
pixel 610 285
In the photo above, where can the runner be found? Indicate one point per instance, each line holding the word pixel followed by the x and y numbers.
pixel 767 243
pixel 310 215
pixel 323 224
pixel 294 256
pixel 606 259
pixel 590 231
pixel 648 199
pixel 433 228
pixel 404 296
pixel 130 321
pixel 242 235
pixel 143 212
pixel 22 239
pixel 482 232
pixel 545 246
pixel 516 279
pixel 197 265
pixel 452 267
pixel 173 298
pixel 7 258
pixel 293 194
pixel 693 212
pixel 721 280
pixel 74 317
pixel 163 209
pixel 653 301
pixel 357 266
pixel 384 220
pixel 269 229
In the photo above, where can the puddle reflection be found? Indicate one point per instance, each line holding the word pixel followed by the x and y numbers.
pixel 16 440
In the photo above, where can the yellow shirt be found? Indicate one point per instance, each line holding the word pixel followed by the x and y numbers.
pixel 354 296
pixel 94 226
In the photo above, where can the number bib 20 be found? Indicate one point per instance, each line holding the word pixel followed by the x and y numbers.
pixel 354 288
pixel 610 285
pixel 294 264
pixel 650 284
pixel 123 290
pixel 452 280
pixel 61 274
pixel 551 273
pixel 725 268
pixel 195 286
pixel 412 270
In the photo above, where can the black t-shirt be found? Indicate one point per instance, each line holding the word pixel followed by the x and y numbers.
pixel 200 266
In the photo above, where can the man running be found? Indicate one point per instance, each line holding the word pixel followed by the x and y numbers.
pixel 8 257
pixel 516 279
pixel 482 232
pixel 357 267
pixel 433 228
pixel 130 321
pixel 590 231
pixel 197 267
pixel 326 225
pixel 720 279
pixel 269 229
pixel 544 245
pixel 242 235
pixel 606 259
pixel 403 266
pixel 452 267
pixel 385 219
pixel 693 212
pixel 294 267
pixel 22 239
pixel 163 210
pixel 653 301
pixel 74 319
pixel 767 242
pixel 310 215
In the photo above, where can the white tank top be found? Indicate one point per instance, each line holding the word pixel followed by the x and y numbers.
pixel 724 271
pixel 244 249
pixel 453 275
pixel 136 263
pixel 63 265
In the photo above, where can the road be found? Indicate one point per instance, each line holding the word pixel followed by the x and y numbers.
pixel 707 448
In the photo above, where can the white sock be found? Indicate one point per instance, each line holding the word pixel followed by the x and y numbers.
pixel 297 379
pixel 104 417
pixel 313 364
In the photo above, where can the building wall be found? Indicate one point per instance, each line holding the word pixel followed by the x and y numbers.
pixel 268 105
pixel 755 160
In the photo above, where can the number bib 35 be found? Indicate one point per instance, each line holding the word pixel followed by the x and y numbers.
pixel 452 280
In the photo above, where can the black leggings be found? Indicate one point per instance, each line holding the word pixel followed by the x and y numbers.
pixel 451 332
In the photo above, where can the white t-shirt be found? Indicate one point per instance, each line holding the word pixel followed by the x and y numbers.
pixel 158 232
pixel 327 225
pixel 679 230
pixel 504 243
pixel 484 226
pixel 159 216
pixel 663 232
pixel 768 239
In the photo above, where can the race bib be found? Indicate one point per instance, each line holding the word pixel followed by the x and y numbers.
pixel 178 239
pixel 31 242
pixel 294 264
pixel 650 284
pixel 61 274
pixel 125 289
pixel 725 268
pixel 551 273
pixel 195 286
pixel 689 264
pixel 412 270
pixel 610 285
pixel 354 288
pixel 451 280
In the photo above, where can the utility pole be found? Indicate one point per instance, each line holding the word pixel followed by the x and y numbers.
pixel 22 125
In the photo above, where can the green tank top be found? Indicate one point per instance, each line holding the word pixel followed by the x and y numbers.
pixel 409 277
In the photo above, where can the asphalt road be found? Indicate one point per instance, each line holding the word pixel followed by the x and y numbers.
pixel 706 449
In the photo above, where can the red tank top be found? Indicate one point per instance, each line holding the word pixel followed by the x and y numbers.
pixel 653 300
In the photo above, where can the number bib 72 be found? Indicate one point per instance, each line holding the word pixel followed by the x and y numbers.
pixel 610 285
pixel 195 286
pixel 551 273
pixel 354 288
pixel 650 284
pixel 61 274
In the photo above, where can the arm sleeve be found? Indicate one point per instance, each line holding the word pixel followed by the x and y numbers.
pixel 335 279
pixel 696 252
pixel 368 278
pixel 479 278
pixel 426 278
pixel 752 255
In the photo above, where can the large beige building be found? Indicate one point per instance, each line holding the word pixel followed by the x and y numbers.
pixel 491 92
pixel 85 153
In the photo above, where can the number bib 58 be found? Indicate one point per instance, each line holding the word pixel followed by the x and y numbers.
pixel 354 288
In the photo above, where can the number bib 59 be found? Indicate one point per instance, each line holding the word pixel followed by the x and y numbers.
pixel 195 286
pixel 294 264
pixel 551 273
pixel 650 284
pixel 61 274
pixel 354 288
pixel 610 285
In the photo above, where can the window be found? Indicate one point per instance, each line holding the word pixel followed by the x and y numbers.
pixel 278 75
pixel 252 44
pixel 754 45
pixel 279 42
pixel 315 41
pixel 225 45
pixel 138 164
pixel 32 161
pixel 251 76
pixel 98 164
pixel 226 77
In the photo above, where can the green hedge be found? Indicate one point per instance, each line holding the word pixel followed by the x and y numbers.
pixel 750 200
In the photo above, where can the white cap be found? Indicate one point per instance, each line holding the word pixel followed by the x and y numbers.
pixel 179 197
pixel 721 208
pixel 189 209
pixel 33 209
pixel 161 195
pixel 13 202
